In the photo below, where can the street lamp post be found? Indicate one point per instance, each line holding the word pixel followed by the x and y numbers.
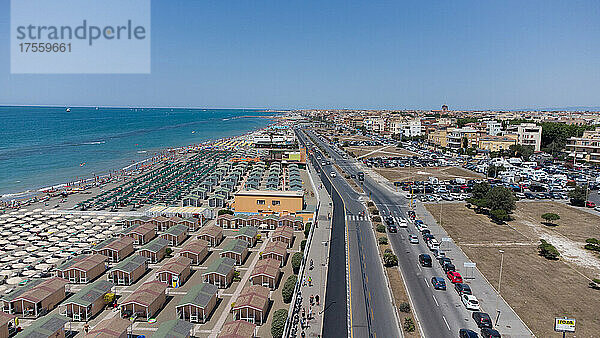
pixel 499 284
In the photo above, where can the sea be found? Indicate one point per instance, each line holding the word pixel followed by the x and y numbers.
pixel 46 146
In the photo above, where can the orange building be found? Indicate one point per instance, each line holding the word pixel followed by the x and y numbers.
pixel 268 202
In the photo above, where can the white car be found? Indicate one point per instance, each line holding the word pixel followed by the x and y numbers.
pixel 413 239
pixel 421 226
pixel 332 174
pixel 470 302
pixel 403 223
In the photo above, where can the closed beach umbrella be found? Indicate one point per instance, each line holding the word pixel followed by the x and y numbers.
pixel 20 253
pixel 70 223
pixel 63 244
pixel 22 243
pixel 10 247
pixel 19 266
pixel 14 280
pixel 53 249
pixel 52 222
pixel 29 273
pixel 43 266
pixel 30 260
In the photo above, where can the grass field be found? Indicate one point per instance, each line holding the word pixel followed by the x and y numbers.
pixel 423 173
pixel 538 289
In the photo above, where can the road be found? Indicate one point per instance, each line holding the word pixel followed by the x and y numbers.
pixel 439 313
pixel 368 305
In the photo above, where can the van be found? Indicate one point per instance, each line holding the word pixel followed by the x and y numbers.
pixel 433 244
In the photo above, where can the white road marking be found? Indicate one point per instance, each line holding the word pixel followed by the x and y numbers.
pixel 445 321
pixel 436 302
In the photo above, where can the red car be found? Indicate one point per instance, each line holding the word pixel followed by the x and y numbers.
pixel 454 277
pixel 590 204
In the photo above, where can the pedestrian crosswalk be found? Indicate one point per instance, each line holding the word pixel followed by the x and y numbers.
pixel 350 217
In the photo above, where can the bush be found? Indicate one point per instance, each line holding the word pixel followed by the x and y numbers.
pixel 389 259
pixel 409 325
pixel 307 229
pixel 288 289
pixel 374 211
pixel 383 240
pixel 168 251
pixel 302 244
pixel 592 244
pixel 404 307
pixel 577 196
pixel 236 276
pixel 278 324
pixel 376 219
pixel 225 212
pixel 296 261
pixel 548 250
pixel 388 250
pixel 380 228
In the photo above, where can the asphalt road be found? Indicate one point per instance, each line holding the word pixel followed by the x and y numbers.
pixel 367 294
pixel 440 313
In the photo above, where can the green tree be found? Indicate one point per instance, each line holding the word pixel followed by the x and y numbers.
pixel 409 325
pixel 521 151
pixel 288 288
pixel 302 244
pixel 550 217
pixel 493 171
pixel 225 212
pixel 297 261
pixel 380 228
pixel 307 229
pixel 480 190
pixel 578 196
pixel 501 198
pixel 382 240
pixel 548 250
pixel 389 259
pixel 499 215
pixel 278 324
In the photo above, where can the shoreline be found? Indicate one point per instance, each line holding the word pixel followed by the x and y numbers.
pixel 83 183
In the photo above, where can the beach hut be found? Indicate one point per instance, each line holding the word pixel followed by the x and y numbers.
pixel 252 185
pixel 116 249
pixel 252 304
pixel 238 329
pixel 212 234
pixel 236 249
pixel 175 271
pixel 201 192
pixel 7 325
pixel 216 201
pixel 266 272
pixel 110 328
pixel 163 223
pixel 135 220
pixel 82 269
pixel 275 250
pixel 196 250
pixel 198 303
pixel 224 192
pixel 35 298
pixel 220 272
pixel 141 234
pixel 176 234
pixel 208 185
pixel 129 270
pixel 145 301
pixel 248 234
pixel 284 234
pixel 225 221
pixel 174 329
pixel 49 326
pixel 192 223
pixel 271 222
pixel 88 302
pixel 240 220
pixel 255 220
pixel 155 250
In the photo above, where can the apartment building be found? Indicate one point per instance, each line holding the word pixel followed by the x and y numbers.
pixel 585 148
pixel 528 134
pixel 456 137
pixel 495 143
pixel 438 137
pixel 374 124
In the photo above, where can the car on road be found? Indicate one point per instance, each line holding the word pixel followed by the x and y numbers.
pixel 403 223
pixel 470 302
pixel 438 283
pixel 590 204
pixel 332 174
pixel 352 176
pixel 411 214
pixel 413 239
pixel 463 289
pixel 490 333
pixel 323 163
pixel 392 228
pixel 444 260
pixel 466 333
pixel 433 244
pixel 454 277
pixel 425 260
pixel 482 320
pixel 389 220
pixel 447 267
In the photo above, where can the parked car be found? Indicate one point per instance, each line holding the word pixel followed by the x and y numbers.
pixel 482 320
pixel 470 302
pixel 463 289
pixel 466 333
pixel 413 239
pixel 425 260
pixel 438 283
pixel 454 277
pixel 448 267
pixel 433 244
pixel 392 228
pixel 490 333
pixel 590 204
pixel 389 220
pixel 443 261
pixel 403 223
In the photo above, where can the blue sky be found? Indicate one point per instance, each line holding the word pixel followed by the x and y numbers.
pixel 355 54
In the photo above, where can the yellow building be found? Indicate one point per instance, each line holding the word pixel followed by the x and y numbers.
pixel 439 138
pixel 495 143
pixel 268 202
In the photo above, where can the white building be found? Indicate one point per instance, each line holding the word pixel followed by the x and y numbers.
pixel 494 127
pixel 529 134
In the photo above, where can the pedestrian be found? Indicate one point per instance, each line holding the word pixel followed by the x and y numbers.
pixel 86 327
pixel 317 299
pixel 303 312
pixel 311 300
pixel 303 334
pixel 310 313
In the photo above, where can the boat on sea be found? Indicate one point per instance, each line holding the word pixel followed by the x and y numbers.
pixel 68 110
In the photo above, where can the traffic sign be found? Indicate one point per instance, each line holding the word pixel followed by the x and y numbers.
pixel 564 325
pixel 469 264
pixel 446 239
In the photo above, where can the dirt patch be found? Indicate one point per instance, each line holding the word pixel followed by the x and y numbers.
pixel 538 289
pixel 379 151
pixel 424 173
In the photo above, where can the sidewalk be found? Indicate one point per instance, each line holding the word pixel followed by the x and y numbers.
pixel 319 254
